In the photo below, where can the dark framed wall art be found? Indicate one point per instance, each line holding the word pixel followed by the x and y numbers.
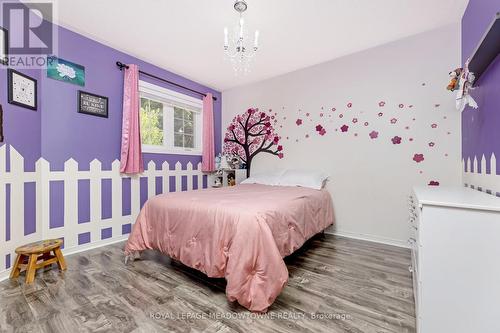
pixel 22 89
pixel 92 104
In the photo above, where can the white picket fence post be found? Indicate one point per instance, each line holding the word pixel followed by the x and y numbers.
pixel 70 176
pixel 486 181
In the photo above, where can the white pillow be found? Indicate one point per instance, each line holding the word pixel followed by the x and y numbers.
pixel 264 178
pixel 305 178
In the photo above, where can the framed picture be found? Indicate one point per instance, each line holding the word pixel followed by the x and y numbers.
pixel 66 71
pixel 4 46
pixel 1 123
pixel 92 104
pixel 22 89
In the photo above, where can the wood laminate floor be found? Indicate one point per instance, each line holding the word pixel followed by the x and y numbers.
pixel 336 285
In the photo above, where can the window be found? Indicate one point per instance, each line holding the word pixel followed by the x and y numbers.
pixel 170 121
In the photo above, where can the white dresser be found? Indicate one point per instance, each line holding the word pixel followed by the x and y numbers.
pixel 455 242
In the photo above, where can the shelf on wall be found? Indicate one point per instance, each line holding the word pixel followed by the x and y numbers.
pixel 487 49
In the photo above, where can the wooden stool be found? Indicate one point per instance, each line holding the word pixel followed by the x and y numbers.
pixel 28 256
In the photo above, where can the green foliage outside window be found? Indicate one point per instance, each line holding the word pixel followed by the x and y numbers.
pixel 151 122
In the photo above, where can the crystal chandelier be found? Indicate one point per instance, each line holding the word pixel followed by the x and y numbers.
pixel 235 43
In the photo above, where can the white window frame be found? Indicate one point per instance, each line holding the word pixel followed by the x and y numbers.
pixel 171 98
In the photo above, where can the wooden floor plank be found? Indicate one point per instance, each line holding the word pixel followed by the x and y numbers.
pixel 335 284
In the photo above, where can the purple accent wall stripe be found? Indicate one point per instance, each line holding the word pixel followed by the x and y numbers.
pixel 126 196
pixel 481 127
pixel 195 182
pixel 84 238
pixel 171 182
pixel 184 182
pixel 83 200
pixel 106 233
pixel 143 190
pixel 7 212
pixel 106 199
pixel 7 261
pixel 29 208
pixel 159 185
pixel 205 181
pixel 126 228
pixel 56 208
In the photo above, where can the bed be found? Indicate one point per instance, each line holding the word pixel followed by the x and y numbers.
pixel 240 233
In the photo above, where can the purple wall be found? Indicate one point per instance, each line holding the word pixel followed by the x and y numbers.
pixel 481 127
pixel 66 133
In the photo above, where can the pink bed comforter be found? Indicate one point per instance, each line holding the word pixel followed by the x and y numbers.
pixel 240 233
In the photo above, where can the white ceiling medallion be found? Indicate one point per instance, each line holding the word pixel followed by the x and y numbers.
pixel 235 43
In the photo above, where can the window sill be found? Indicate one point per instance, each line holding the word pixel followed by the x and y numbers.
pixel 172 152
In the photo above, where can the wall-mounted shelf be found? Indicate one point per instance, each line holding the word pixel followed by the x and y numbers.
pixel 487 49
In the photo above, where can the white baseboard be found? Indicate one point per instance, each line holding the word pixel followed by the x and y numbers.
pixel 369 238
pixel 4 275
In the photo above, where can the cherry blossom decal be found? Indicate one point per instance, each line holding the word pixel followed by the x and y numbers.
pixel 394 120
pixel 396 140
pixel 249 134
pixel 373 134
pixel 321 131
pixel 349 105
pixel 433 183
pixel 298 122
pixel 418 158
pixel 381 104
pixel 344 128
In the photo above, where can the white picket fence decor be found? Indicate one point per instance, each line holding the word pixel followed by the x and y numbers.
pixel 486 182
pixel 42 176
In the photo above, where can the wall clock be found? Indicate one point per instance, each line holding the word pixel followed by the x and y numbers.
pixel 22 90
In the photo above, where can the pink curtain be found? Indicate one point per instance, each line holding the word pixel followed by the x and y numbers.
pixel 208 146
pixel 131 154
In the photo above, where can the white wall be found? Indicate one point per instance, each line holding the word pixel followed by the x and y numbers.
pixel 370 178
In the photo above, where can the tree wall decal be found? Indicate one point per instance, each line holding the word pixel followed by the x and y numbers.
pixel 251 133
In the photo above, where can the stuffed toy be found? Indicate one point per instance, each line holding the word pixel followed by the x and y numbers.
pixel 455 75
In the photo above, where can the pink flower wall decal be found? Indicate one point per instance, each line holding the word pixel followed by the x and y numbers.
pixel 344 128
pixel 280 155
pixel 380 114
pixel 418 158
pixel 298 122
pixel 319 127
pixel 396 140
pixel 433 183
pixel 394 120
pixel 381 103
pixel 322 132
pixel 431 144
pixel 434 125
pixel 401 106
pixel 349 105
pixel 354 120
pixel 307 114
pixel 334 109
pixel 373 134
pixel 366 123
pixel 321 115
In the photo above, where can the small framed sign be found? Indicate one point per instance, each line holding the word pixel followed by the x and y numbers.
pixel 22 90
pixel 92 104
pixel 4 46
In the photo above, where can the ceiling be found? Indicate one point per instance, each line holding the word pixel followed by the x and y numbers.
pixel 186 36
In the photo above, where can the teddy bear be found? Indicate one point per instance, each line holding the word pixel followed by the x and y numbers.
pixel 455 75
